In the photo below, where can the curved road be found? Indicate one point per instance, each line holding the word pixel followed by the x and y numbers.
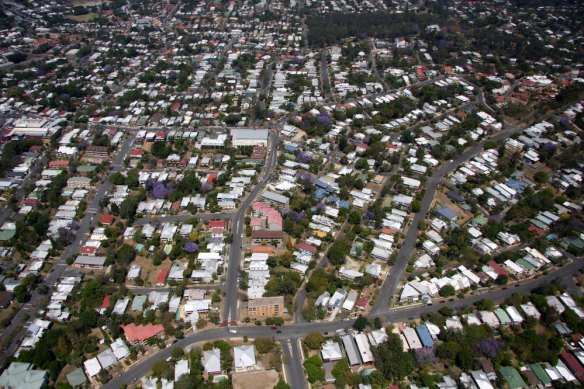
pixel 295 331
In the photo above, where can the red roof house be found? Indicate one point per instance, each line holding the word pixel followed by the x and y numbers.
pixel 106 219
pixel 106 302
pixel 306 247
pixel 500 270
pixel 217 223
pixel 263 249
pixel 575 367
pixel 161 278
pixel 139 333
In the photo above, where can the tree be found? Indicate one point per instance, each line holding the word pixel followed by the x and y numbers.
pixel 264 345
pixel 361 323
pixel 540 177
pixel 282 385
pixel 337 253
pixel 314 340
pixel 125 254
pixel 216 298
pixel 313 369
pixel 177 353
pixel 342 373
pixel 162 369
pixel 391 360
pixel 21 294
pixel 447 290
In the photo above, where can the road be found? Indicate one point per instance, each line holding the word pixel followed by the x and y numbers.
pixel 391 283
pixel 238 227
pixel 293 363
pixel 296 331
pixel 15 331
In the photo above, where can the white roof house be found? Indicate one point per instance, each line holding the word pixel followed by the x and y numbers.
pixel 244 357
pixel 530 310
pixel 212 361
pixel 363 347
pixel 514 315
pixel 489 318
pixel 331 351
pixel 181 368
pixel 120 349
pixel 92 367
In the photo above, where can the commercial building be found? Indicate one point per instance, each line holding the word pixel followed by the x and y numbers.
pixel 266 307
pixel 242 137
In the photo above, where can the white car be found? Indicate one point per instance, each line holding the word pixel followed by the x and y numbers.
pixel 233 331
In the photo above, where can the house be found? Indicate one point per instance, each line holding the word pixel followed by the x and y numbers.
pixel 21 375
pixel 512 376
pixel 89 262
pixel 212 361
pixel 244 357
pixel 76 378
pixel 363 348
pixel 261 236
pixel 331 351
pixel 446 213
pixel 139 333
pixel 424 336
pixel 266 307
pixel 481 380
pixel 351 350
pixel 161 277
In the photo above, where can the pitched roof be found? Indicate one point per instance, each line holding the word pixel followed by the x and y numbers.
pixel 139 333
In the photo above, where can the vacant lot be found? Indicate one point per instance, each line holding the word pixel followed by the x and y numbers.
pixel 255 379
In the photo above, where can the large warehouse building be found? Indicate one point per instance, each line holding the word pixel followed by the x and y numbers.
pixel 249 137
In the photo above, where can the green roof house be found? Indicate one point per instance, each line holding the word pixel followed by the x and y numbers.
pixel 76 377
pixel 541 374
pixel 21 375
pixel 511 375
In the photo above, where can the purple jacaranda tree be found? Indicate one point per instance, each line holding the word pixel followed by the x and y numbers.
pixel 206 187
pixel 320 208
pixel 325 119
pixel 307 178
pixel 298 216
pixel 286 211
pixel 443 43
pixel 490 347
pixel 304 157
pixel 82 145
pixel 425 356
pixel 190 247
pixel 368 215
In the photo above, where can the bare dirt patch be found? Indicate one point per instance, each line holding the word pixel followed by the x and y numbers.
pixel 255 379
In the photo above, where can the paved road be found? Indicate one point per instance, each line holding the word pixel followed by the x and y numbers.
pixel 293 363
pixel 16 331
pixel 237 230
pixel 185 217
pixel 295 331
pixel 391 283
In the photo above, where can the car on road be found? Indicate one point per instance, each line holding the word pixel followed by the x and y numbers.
pixel 273 327
pixel 233 331
pixel 278 332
